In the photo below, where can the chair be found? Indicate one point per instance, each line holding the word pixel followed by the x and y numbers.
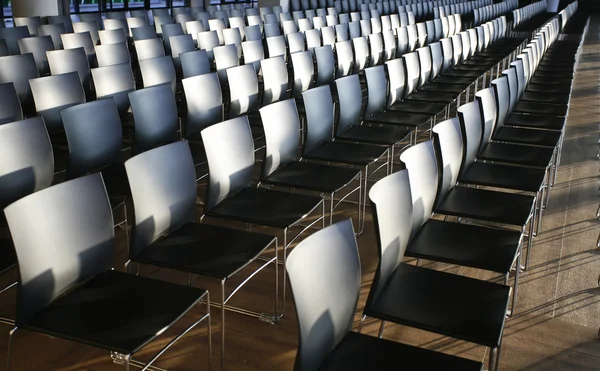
pixel 169 30
pixel 115 36
pixel 90 17
pixel 143 33
pixel 38 46
pixel 345 58
pixel 180 44
pixel 10 109
pixel 71 60
pixel 253 52
pixel 208 41
pixel 52 94
pixel 136 22
pixel 275 80
pixel 204 103
pixel 225 57
pixel 325 65
pixel 304 72
pixel 167 233
pixel 194 63
pixel 440 302
pixel 116 24
pixel 18 70
pixel 90 27
pixel 149 48
pixel 155 117
pixel 325 277
pixel 276 46
pixel 65 20
pixel 112 54
pixel 253 32
pixel 54 31
pixel 82 286
pixel 229 194
pixel 114 82
pixel 12 35
pixel 232 36
pixel 81 40
pixel 244 97
pixel 282 165
pixel 32 24
pixel 296 42
pixel 362 55
pixel 376 49
pixel 157 71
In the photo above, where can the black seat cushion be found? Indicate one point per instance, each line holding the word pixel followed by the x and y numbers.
pixel 561 98
pixel 467 245
pixel 559 73
pixel 347 153
pixel 517 154
pixel 358 352
pixel 206 250
pixel 265 207
pixel 8 257
pixel 400 118
pixel 536 121
pixel 474 73
pixel 313 176
pixel 450 90
pixel 444 303
pixel 424 108
pixel 549 88
pixel 541 108
pixel 548 138
pixel 454 80
pixel 504 176
pixel 550 81
pixel 491 206
pixel 386 135
pixel 115 311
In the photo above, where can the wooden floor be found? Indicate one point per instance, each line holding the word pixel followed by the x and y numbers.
pixel 558 313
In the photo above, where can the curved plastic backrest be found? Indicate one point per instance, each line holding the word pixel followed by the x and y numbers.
pixel 136 22
pixel 411 64
pixel 325 65
pixel 53 259
pixel 94 134
pixel 253 53
pixel 304 72
pixel 466 45
pixel 232 36
pixel 244 90
pixel 18 70
pixel 277 47
pixel 116 24
pixel 413 37
pixel 204 102
pixel 342 32
pixel 180 44
pixel 389 45
pixel 114 82
pixel 438 29
pixel 376 90
pixel 182 19
pixel 194 28
pixel 447 54
pixel 361 53
pixel 403 46
pixel 272 30
pixel 12 35
pixel 230 153
pixel 421 34
pixel 115 36
pixel 350 101
pixel 55 93
pixel 27 162
pixel 304 24
pixel 10 109
pixel 319 22
pixel 194 63
pixel 489 112
pixel 70 60
pixel 422 166
pixel 449 145
pixel 225 57
pixel 345 58
pixel 430 32
pixel 90 17
pixel 470 119
pixel 239 23
pixel 169 30
pixel 275 79
pixel 253 32
pixel 376 46
pixel 282 135
pixel 112 54
pixel 425 67
pixel 143 33
pixel 80 40
pixel 313 39
pixel 91 28
pixel 511 75
pixel 296 42
pixel 375 25
pixel 38 46
pixel 208 40
pixel 397 80
pixel 392 207
pixel 318 105
pixel 354 29
pixel 65 20
pixel 163 188
pixel 520 75
pixel 437 59
pixel 158 71
pixel 116 15
pixel 365 27
pixel 325 278
pixel 457 49
pixel 54 31
pixel 149 48
pixel 160 21
pixel 217 25
pixel 155 117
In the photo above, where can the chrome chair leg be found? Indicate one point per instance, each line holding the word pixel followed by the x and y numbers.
pixel 381 329
pixel 10 341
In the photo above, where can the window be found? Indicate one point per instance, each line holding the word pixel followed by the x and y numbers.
pixel 133 4
pixel 6 9
pixel 158 4
pixel 86 6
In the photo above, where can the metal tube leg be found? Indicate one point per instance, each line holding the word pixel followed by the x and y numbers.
pixel 516 283
pixel 392 159
pixel 538 225
pixel 126 361
pixel 10 341
pixel 555 168
pixel 381 329
pixel 364 205
pixel 330 209
pixel 126 223
pixel 222 325
pixel 498 355
pixel 360 190
pixel 492 360
pixel 284 275
pixel 530 238
pixel 361 323
pixel 546 189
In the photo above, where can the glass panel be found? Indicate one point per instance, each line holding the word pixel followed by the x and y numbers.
pixel 86 6
pixel 7 10
pixel 116 4
pixel 158 3
pixel 177 3
pixel 136 4
pixel 72 6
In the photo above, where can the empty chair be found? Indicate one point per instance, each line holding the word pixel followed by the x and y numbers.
pixel 253 33
pixel 71 60
pixel 232 36
pixel 54 31
pixel 325 65
pixel 149 48
pixel 275 80
pixel 304 71
pixel 65 20
pixel 89 27
pixel 180 44
pixel 253 53
pixel 155 117
pixel 194 63
pixel 32 23
pixel 111 54
pixel 296 42
pixel 10 109
pixel 116 24
pixel 136 22
pixel 115 36
pixel 169 30
pixel 226 56
pixel 217 25
pixel 157 71
pixel 182 19
pixel 143 33
pixel 345 58
pixel 91 17
pixel 243 90
pixel 208 41
pixel 83 259
pixel 204 103
pixel 52 94
pixel 240 24
pixel 161 20
pixel 361 53
pixel 325 277
pixel 38 46
pixel 194 28
pixel 376 49
pixel 18 70
pixel 114 82
pixel 272 29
